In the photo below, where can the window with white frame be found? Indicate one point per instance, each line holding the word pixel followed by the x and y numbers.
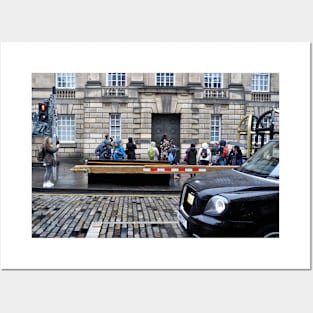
pixel 116 79
pixel 213 80
pixel 260 82
pixel 115 125
pixel 215 129
pixel 164 79
pixel 66 128
pixel 66 80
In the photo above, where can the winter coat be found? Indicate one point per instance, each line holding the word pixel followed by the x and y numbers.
pixel 192 156
pixel 130 149
pixel 119 152
pixel 102 149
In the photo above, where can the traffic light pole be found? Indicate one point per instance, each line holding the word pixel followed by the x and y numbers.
pixel 52 105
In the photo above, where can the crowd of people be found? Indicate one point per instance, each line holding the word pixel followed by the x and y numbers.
pixel 166 150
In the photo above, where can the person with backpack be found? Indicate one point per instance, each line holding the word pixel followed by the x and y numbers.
pixel 103 151
pixel 223 152
pixel 191 156
pixel 48 160
pixel 153 152
pixel 204 154
pixel 130 149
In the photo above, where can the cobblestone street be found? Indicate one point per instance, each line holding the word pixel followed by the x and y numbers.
pixel 105 216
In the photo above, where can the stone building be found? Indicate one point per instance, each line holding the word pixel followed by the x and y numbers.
pixel 189 107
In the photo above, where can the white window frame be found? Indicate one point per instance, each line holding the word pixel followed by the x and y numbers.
pixel 260 82
pixel 215 128
pixel 65 80
pixel 116 79
pixel 213 80
pixel 66 128
pixel 165 79
pixel 115 125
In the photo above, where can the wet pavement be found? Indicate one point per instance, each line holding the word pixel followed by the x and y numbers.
pixel 69 181
pixel 105 216
pixel 75 209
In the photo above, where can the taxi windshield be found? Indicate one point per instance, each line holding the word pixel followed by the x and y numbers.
pixel 264 163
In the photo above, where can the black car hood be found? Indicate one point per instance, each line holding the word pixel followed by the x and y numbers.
pixel 222 181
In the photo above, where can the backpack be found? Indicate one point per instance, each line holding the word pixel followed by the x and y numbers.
pixel 170 157
pixel 225 152
pixel 204 153
pixel 151 153
pixel 41 155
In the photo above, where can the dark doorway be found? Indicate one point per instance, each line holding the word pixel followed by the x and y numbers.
pixel 166 124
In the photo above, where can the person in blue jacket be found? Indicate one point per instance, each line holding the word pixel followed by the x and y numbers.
pixel 119 152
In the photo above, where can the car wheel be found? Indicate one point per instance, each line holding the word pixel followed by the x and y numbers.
pixel 268 231
pixel 274 234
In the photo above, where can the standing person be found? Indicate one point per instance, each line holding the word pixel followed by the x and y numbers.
pixel 173 157
pixel 48 160
pixel 163 147
pixel 153 152
pixel 130 149
pixel 191 156
pixel 215 154
pixel 204 155
pixel 119 152
pixel 223 152
pixel 103 151
pixel 235 156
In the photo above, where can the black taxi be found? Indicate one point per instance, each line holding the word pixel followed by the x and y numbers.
pixel 240 202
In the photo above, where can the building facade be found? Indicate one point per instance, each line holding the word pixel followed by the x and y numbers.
pixel 189 107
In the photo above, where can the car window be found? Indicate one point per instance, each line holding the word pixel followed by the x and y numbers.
pixel 265 162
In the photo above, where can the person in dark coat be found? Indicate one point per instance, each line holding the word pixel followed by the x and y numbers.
pixel 191 156
pixel 130 149
pixel 235 156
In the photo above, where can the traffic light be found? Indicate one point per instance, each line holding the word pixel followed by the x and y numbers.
pixel 43 112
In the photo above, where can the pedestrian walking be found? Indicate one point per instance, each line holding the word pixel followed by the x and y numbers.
pixel 49 161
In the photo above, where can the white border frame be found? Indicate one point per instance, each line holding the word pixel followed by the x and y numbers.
pixel 20 251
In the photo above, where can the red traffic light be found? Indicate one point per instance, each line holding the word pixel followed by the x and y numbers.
pixel 43 107
pixel 43 112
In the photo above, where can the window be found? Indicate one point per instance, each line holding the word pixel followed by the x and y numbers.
pixel 215 130
pixel 213 80
pixel 66 128
pixel 164 79
pixel 116 79
pixel 260 82
pixel 115 126
pixel 66 80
